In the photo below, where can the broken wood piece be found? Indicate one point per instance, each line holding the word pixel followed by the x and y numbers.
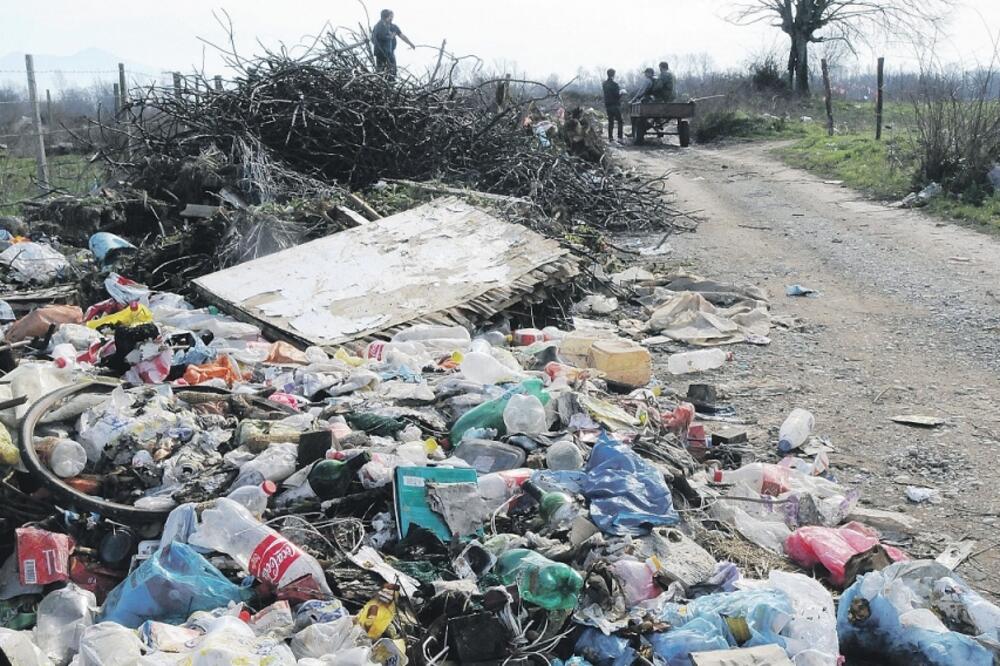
pixel 918 420
pixel 366 210
pixel 344 214
pixel 955 553
pixel 199 210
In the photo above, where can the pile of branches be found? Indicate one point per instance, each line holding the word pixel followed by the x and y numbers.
pixel 326 122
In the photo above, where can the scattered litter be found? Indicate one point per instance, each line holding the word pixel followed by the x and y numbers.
pixel 919 495
pixel 919 420
pixel 799 290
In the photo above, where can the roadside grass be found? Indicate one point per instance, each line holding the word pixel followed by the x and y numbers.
pixel 69 173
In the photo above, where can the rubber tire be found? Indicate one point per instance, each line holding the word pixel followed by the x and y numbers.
pixel 684 133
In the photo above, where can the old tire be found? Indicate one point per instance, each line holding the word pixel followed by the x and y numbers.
pixel 684 132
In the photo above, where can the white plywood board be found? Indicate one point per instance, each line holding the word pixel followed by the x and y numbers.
pixel 357 282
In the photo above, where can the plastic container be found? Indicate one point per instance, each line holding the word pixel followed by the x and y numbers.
pixel 254 498
pixel 230 528
pixel 64 457
pixel 696 361
pixel 765 478
pixel 564 456
pixel 621 361
pixel 795 430
pixel 496 488
pixel 376 615
pixel 276 463
pixel 524 413
pixel 539 580
pixel 524 337
pixel 487 456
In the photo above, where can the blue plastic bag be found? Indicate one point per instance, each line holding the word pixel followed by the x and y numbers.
pixel 869 623
pixel 602 650
pixel 175 582
pixel 698 635
pixel 627 495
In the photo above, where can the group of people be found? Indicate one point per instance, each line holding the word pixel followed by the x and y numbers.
pixel 654 88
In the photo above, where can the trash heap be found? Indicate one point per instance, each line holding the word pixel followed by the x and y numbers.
pixel 180 490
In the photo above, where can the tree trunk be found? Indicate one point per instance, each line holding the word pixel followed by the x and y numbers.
pixel 802 66
pixel 791 66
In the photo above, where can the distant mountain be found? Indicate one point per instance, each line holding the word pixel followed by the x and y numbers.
pixel 81 69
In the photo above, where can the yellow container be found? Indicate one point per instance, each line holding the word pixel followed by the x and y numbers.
pixel 621 361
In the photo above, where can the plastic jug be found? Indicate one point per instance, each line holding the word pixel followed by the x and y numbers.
pixel 490 414
pixel 564 456
pixel 486 456
pixel 254 498
pixel 525 413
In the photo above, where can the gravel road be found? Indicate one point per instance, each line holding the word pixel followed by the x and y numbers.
pixel 907 321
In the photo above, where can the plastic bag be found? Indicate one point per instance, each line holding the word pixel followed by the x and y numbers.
pixel 36 323
pixel 892 616
pixel 227 641
pixel 627 494
pixel 698 635
pixel 168 587
pixel 602 650
pixel 19 649
pixel 832 547
pixel 62 617
pixel 320 639
pixel 108 644
pixel 490 414
pixel 34 262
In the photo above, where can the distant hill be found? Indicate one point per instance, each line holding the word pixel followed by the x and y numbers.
pixel 81 69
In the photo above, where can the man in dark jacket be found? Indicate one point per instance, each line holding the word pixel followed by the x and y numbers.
pixel 664 87
pixel 384 36
pixel 613 105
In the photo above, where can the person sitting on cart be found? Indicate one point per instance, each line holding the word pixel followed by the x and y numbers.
pixel 645 93
pixel 663 89
pixel 613 105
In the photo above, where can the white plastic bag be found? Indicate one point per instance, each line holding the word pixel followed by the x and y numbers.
pixel 34 262
pixel 329 638
pixel 18 647
pixel 108 644
pixel 62 617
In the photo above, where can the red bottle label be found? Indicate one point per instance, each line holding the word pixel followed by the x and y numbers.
pixel 271 559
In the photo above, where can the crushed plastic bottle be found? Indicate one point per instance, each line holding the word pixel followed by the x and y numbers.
pixel 696 361
pixel 795 430
pixel 230 528
pixel 564 455
pixel 540 581
pixel 483 368
pixel 525 413
pixel 62 616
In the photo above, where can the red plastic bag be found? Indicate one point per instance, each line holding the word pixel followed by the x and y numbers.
pixel 833 547
pixel 42 557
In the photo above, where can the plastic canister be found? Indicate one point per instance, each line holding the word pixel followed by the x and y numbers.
pixel 487 456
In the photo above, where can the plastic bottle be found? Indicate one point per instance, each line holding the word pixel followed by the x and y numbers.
pixel 376 615
pixel 696 361
pixel 64 457
pixel 556 509
pixel 795 430
pixel 765 478
pixel 539 580
pixel 276 463
pixel 524 337
pixel 428 332
pixel 328 478
pixel 490 414
pixel 525 414
pixel 254 498
pixel 497 488
pixel 228 527
pixel 564 455
pixel 64 355
pixel 484 369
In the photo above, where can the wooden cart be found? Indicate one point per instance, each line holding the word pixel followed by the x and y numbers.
pixel 653 117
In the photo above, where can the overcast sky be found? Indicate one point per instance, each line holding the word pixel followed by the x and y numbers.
pixel 541 37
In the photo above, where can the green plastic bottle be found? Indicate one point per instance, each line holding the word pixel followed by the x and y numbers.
pixel 540 581
pixel 557 509
pixel 490 414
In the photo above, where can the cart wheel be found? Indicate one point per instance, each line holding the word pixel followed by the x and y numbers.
pixel 639 130
pixel 684 132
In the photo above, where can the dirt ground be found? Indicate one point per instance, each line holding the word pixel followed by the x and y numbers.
pixel 907 321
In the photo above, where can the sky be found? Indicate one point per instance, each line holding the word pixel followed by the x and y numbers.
pixel 536 37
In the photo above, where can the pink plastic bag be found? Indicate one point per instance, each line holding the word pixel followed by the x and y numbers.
pixel 833 547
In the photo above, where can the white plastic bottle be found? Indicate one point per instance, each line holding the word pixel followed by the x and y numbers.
pixel 228 527
pixel 795 430
pixel 64 356
pixel 696 361
pixel 276 463
pixel 484 369
pixel 65 457
pixel 254 498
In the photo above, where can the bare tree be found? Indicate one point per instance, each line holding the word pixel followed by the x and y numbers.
pixel 848 21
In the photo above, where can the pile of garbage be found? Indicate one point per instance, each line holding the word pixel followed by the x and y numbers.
pixel 180 490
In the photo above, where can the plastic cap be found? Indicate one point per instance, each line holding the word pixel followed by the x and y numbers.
pixel 269 488
pixel 717 476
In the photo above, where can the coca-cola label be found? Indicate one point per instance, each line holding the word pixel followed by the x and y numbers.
pixel 271 558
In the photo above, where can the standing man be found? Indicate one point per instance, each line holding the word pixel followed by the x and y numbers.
pixel 384 36
pixel 664 88
pixel 645 93
pixel 613 105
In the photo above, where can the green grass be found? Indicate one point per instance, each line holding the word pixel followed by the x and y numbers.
pixel 878 168
pixel 986 215
pixel 70 173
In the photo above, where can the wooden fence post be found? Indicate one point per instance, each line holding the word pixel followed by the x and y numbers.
pixel 218 83
pixel 880 96
pixel 829 97
pixel 36 114
pixel 49 120
pixel 118 99
pixel 122 86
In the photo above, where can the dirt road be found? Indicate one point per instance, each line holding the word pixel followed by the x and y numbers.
pixel 907 322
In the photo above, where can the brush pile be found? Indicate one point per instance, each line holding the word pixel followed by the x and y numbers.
pixel 325 122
